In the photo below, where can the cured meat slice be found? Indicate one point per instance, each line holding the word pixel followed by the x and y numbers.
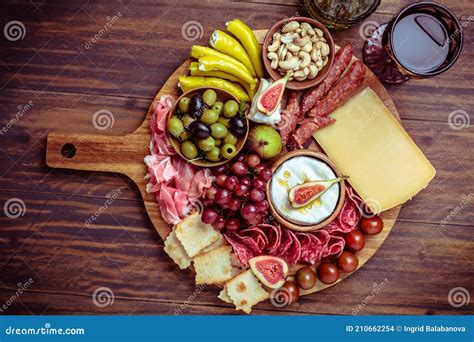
pixel 341 91
pixel 307 128
pixel 341 61
pixel 289 117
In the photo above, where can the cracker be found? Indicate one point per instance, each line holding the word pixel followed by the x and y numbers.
pixel 176 251
pixel 245 291
pixel 214 266
pixel 216 244
pixel 224 296
pixel 195 235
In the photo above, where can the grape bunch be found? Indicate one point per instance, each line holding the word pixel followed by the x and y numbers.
pixel 237 197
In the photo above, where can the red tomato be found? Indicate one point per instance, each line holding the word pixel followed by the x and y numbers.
pixel 371 225
pixel 327 272
pixel 347 262
pixel 355 241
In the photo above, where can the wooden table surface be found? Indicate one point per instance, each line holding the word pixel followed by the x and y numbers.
pixel 58 75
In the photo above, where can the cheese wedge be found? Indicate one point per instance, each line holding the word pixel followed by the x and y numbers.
pixel 369 145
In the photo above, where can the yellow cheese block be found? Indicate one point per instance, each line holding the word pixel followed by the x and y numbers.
pixel 369 145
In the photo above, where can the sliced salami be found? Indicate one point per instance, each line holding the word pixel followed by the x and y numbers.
pixel 289 117
pixel 309 126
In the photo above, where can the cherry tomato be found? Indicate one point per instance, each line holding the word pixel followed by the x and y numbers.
pixel 371 225
pixel 287 294
pixel 355 241
pixel 328 273
pixel 347 262
pixel 305 278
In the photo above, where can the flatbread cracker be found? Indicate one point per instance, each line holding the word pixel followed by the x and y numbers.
pixel 214 266
pixel 216 244
pixel 176 251
pixel 195 235
pixel 245 291
pixel 224 296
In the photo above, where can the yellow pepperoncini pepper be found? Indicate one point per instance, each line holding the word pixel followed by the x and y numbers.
pixel 210 63
pixel 226 44
pixel 187 83
pixel 250 43
pixel 198 51
pixel 194 71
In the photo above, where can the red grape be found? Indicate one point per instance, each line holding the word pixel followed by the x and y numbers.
pixel 234 204
pixel 249 211
pixel 240 158
pixel 209 216
pixel 257 183
pixel 265 174
pixel 262 206
pixel 241 190
pixel 246 181
pixel 257 195
pixel 220 180
pixel 207 202
pixel 230 182
pixel 253 160
pixel 220 170
pixel 232 224
pixel 239 169
pixel 222 196
pixel 258 168
pixel 219 223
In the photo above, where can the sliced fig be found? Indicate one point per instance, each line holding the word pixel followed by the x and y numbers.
pixel 270 270
pixel 303 194
pixel 271 97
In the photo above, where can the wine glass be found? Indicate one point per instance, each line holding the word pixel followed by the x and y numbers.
pixel 424 39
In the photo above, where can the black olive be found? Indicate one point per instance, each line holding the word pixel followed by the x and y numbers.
pixel 237 126
pixel 195 103
pixel 198 113
pixel 199 130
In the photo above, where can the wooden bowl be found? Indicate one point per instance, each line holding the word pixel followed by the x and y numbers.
pixel 298 85
pixel 342 191
pixel 222 96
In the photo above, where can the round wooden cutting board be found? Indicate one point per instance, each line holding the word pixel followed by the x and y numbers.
pixel 125 154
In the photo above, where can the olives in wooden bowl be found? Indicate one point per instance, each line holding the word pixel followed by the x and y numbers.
pixel 208 126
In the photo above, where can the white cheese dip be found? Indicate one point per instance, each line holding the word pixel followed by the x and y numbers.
pixel 299 170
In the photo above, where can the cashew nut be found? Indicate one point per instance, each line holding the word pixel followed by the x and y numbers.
pixel 301 75
pixel 302 41
pixel 293 48
pixel 313 71
pixel 319 63
pixel 311 32
pixel 274 58
pixel 288 37
pixel 291 26
pixel 315 38
pixel 303 32
pixel 289 64
pixel 324 48
pixel 275 43
pixel 288 55
pixel 306 26
pixel 282 52
pixel 298 30
pixel 325 60
pixel 319 32
pixel 306 59
pixel 315 54
pixel 308 47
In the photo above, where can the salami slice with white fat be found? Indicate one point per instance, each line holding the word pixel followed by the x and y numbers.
pixel 289 117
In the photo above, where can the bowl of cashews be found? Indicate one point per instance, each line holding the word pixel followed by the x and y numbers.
pixel 300 46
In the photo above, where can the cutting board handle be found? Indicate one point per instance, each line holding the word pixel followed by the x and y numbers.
pixel 98 152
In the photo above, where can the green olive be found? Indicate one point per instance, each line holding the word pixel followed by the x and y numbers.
pixel 214 154
pixel 175 127
pixel 231 108
pixel 218 142
pixel 218 131
pixel 209 97
pixel 186 135
pixel 207 144
pixel 188 120
pixel 218 107
pixel 230 139
pixel 228 151
pixel 189 150
pixel 224 121
pixel 209 116
pixel 183 104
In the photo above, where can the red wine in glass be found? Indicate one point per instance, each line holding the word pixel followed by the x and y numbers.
pixel 424 39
